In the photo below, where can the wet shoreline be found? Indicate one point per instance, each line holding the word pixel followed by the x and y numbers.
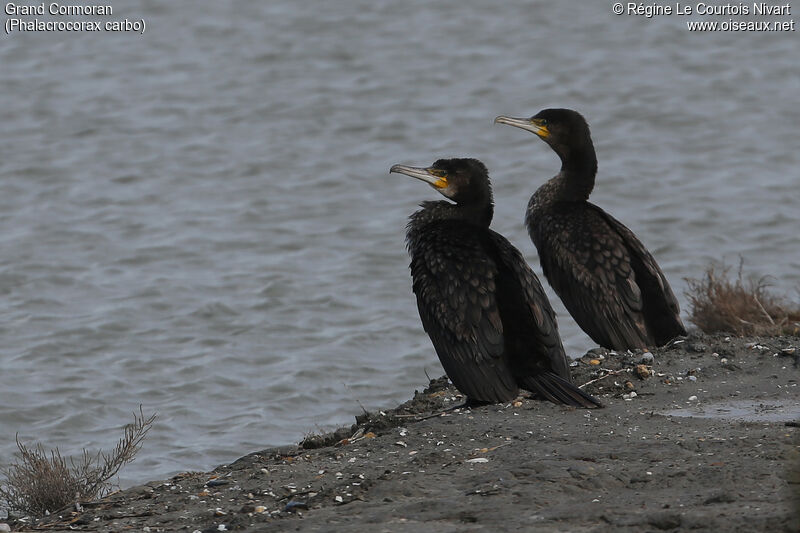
pixel 698 435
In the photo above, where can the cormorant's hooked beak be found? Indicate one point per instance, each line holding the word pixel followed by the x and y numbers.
pixel 533 125
pixel 434 177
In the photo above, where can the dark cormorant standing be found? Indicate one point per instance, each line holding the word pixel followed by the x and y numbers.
pixel 482 306
pixel 606 278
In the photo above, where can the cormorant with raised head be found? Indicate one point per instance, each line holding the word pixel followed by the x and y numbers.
pixel 605 276
pixel 482 306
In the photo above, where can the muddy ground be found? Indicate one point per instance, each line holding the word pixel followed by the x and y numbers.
pixel 703 437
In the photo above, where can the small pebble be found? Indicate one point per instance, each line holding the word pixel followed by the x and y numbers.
pixel 594 362
pixel 477 460
pixel 647 358
pixel 692 398
pixel 294 506
pixel 692 378
pixel 338 499
pixel 642 371
pixel 260 509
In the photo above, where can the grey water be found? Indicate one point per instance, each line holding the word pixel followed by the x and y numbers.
pixel 745 410
pixel 200 220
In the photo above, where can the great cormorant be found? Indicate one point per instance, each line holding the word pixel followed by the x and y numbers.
pixel 605 276
pixel 482 306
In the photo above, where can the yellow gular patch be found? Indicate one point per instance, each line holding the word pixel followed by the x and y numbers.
pixel 541 129
pixel 441 183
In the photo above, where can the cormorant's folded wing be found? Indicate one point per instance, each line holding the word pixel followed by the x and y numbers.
pixel 454 279
pixel 589 265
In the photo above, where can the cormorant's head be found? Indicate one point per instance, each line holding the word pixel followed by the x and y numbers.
pixel 462 180
pixel 562 129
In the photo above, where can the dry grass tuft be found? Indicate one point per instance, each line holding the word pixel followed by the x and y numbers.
pixel 41 482
pixel 720 305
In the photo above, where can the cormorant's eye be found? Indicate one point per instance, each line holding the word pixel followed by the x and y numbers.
pixel 439 173
pixel 543 121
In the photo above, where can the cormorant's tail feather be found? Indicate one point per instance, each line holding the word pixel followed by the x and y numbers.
pixel 556 389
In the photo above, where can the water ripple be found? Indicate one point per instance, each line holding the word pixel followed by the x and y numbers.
pixel 200 219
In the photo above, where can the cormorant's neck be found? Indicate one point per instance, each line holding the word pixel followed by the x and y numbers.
pixel 475 205
pixel 578 169
pixel 479 214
